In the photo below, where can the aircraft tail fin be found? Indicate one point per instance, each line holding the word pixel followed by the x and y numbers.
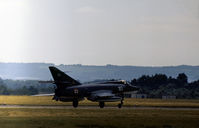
pixel 61 78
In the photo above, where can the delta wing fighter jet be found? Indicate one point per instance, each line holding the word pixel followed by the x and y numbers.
pixel 70 90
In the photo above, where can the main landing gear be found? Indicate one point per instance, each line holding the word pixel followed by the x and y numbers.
pixel 75 103
pixel 101 104
pixel 75 100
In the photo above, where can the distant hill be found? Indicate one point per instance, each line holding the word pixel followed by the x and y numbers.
pixel 84 73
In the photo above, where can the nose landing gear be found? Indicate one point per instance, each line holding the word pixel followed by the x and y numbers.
pixel 121 103
pixel 101 104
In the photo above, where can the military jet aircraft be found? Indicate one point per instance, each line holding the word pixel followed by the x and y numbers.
pixel 70 90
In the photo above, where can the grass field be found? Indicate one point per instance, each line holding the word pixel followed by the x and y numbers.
pixel 47 100
pixel 98 118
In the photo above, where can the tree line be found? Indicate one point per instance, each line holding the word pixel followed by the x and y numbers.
pixel 159 85
pixel 154 86
pixel 24 87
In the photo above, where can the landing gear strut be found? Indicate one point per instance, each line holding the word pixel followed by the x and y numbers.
pixel 120 105
pixel 75 103
pixel 101 104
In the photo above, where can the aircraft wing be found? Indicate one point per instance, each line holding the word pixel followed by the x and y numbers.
pixel 50 94
pixel 103 95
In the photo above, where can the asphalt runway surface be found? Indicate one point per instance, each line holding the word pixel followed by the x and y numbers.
pixel 95 107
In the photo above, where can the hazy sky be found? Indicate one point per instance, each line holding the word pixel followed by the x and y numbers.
pixel 99 32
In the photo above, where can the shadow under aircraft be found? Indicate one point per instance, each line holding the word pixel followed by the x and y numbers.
pixel 70 90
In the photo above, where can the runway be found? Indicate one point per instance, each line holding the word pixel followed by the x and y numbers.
pixel 96 107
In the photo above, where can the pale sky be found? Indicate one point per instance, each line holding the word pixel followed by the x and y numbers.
pixel 100 32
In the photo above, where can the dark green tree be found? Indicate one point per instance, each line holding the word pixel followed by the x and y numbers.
pixel 182 79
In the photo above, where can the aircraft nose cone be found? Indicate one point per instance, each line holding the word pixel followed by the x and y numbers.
pixel 130 88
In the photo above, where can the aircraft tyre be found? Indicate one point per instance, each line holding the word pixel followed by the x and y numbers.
pixel 119 105
pixel 75 103
pixel 101 104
